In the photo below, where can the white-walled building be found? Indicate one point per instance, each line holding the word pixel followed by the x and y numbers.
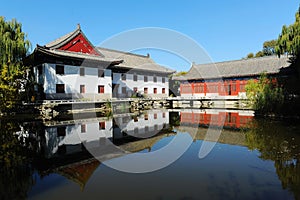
pixel 72 68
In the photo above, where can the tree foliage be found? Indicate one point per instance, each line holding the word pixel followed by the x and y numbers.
pixel 289 39
pixel 269 47
pixel 259 54
pixel 250 55
pixel 13 47
pixel 265 95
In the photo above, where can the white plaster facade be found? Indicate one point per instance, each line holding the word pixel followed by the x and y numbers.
pixel 162 87
pixel 72 81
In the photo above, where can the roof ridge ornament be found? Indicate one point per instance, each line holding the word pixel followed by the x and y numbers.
pixel 78 26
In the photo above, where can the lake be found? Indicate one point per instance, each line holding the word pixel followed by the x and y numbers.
pixel 157 154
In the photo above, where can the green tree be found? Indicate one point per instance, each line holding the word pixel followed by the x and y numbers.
pixel 269 47
pixel 13 47
pixel 250 55
pixel 264 95
pixel 259 54
pixel 289 39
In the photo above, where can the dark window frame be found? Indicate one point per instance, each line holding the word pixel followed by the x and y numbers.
pixel 102 125
pixel 82 89
pixel 60 88
pixel 101 89
pixel 60 69
pixel 123 77
pixel 101 73
pixel 82 71
pixel 83 128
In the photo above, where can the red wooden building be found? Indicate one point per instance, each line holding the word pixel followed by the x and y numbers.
pixel 228 78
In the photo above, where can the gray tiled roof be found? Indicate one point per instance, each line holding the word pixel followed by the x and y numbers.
pixel 134 61
pixel 237 68
pixel 63 39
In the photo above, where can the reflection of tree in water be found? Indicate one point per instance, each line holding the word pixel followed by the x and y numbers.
pixel 15 172
pixel 280 143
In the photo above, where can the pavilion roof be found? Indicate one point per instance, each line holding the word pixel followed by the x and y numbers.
pixel 236 68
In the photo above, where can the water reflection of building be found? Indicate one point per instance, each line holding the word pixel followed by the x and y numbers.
pixel 71 137
pixel 210 117
pixel 68 145
pixel 143 126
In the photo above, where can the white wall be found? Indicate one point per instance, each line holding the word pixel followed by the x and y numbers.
pixel 73 80
pixel 140 84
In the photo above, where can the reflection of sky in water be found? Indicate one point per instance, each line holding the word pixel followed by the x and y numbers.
pixel 228 172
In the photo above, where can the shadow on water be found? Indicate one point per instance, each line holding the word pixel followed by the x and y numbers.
pixel 31 149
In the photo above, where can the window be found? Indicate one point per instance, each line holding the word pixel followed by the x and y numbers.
pixel 145 78
pixel 100 73
pixel 154 90
pixel 82 71
pixel 233 86
pixel 145 90
pixel 135 77
pixel 40 69
pixel 164 115
pixel 146 129
pixel 154 79
pixel 123 77
pixel 135 119
pixel 155 116
pixel 100 89
pixel 135 89
pixel 123 90
pixel 242 87
pixel 83 128
pixel 82 89
pixel 163 79
pixel 61 131
pixel 60 88
pixel 60 69
pixel 146 117
pixel 101 125
pixel 163 90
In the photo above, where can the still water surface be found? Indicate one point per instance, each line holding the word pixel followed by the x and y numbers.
pixel 252 158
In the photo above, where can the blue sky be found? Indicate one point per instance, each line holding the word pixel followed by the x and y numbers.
pixel 227 30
